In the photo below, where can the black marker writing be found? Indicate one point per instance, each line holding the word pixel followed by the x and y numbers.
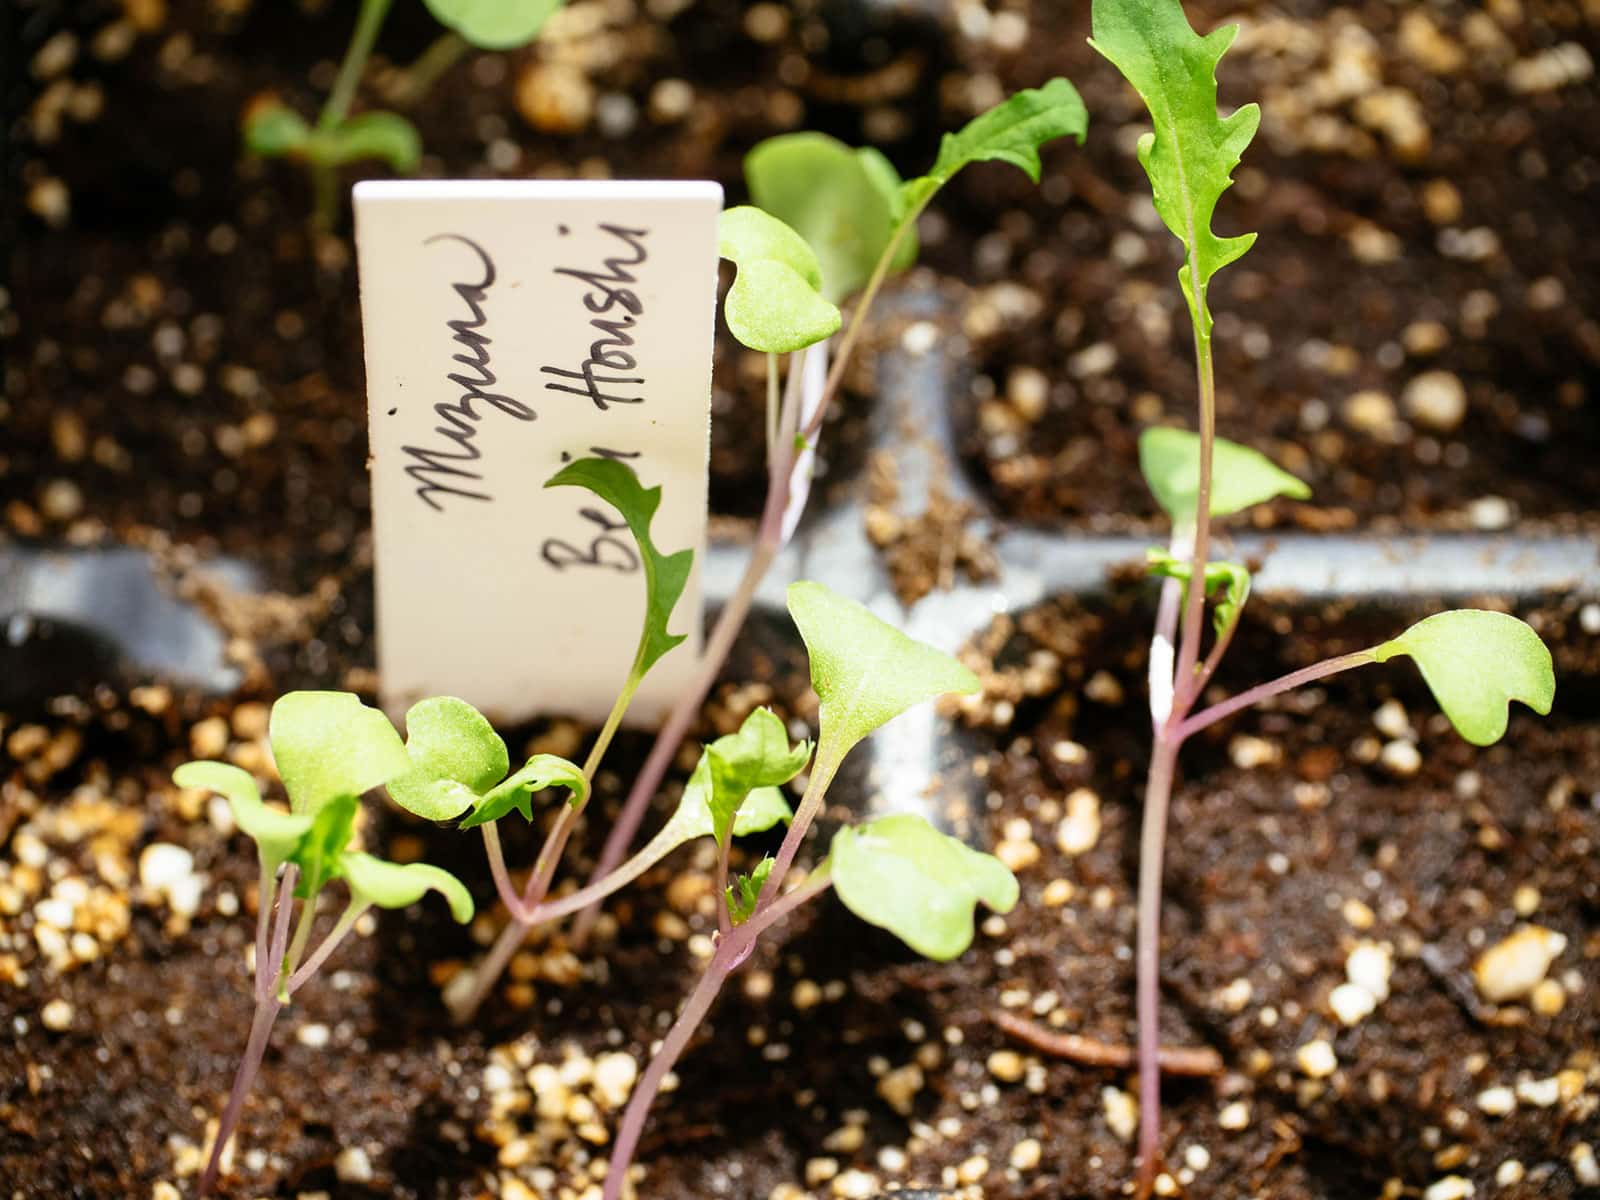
pixel 608 292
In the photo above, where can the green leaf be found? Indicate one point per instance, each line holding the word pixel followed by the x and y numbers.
pixel 1231 579
pixel 1192 152
pixel 274 130
pixel 329 744
pixel 494 24
pixel 843 202
pixel 385 136
pixel 320 852
pixel 1476 663
pixel 277 835
pixel 1010 132
pixel 763 808
pixel 665 575
pixel 1240 476
pixel 391 885
pixel 516 790
pixel 745 891
pixel 455 755
pixel 774 304
pixel 864 671
pixel 903 875
pixel 758 755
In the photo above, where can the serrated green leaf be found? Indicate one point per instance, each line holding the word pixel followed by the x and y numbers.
pixel 385 136
pixel 321 850
pixel 665 575
pixel 757 755
pixel 329 744
pixel 1191 155
pixel 274 130
pixel 277 835
pixel 1240 476
pixel 763 808
pixel 516 790
pixel 843 202
pixel 774 304
pixel 393 885
pixel 455 756
pixel 1476 662
pixel 1231 579
pixel 744 892
pixel 903 875
pixel 1010 132
pixel 494 24
pixel 865 671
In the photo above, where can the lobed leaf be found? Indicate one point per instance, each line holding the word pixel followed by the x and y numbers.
pixel 455 756
pixel 329 744
pixel 1011 132
pixel 744 893
pixel 1476 662
pixel 1231 579
pixel 385 136
pixel 775 304
pixel 842 201
pixel 494 24
pixel 277 834
pixel 758 755
pixel 665 575
pixel 517 789
pixel 864 671
pixel 393 885
pixel 1240 476
pixel 903 875
pixel 1192 152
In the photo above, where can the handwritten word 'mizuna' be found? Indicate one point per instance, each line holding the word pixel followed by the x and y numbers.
pixel 608 291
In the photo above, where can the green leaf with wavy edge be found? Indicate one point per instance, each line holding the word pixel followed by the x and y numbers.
pixel 865 671
pixel 1010 132
pixel 329 744
pixel 274 130
pixel 277 835
pixel 763 808
pixel 744 892
pixel 385 136
pixel 775 304
pixel 757 755
pixel 665 575
pixel 1240 476
pixel 494 24
pixel 321 850
pixel 395 885
pixel 903 875
pixel 1476 662
pixel 455 754
pixel 1192 152
pixel 842 201
pixel 516 790
pixel 1230 579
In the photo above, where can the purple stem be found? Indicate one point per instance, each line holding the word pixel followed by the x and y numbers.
pixel 1264 691
pixel 1152 844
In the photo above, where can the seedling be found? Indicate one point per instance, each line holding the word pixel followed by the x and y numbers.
pixel 274 130
pixel 828 222
pixel 896 872
pixel 330 749
pixel 1474 662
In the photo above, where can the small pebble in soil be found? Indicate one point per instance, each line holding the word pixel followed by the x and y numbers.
pixel 1514 966
pixel 1489 513
pixel 1400 758
pixel 1316 1059
pixel 1080 828
pixel 314 1036
pixel 56 1016
pixel 1540 1093
pixel 1451 1187
pixel 1509 1173
pixel 1584 1166
pixel 1121 1112
pixel 1234 1116
pixel 353 1165
pixel 1025 1155
pixel 1497 1101
pixel 1007 1066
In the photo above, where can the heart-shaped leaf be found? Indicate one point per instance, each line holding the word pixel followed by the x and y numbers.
pixel 385 136
pixel 329 744
pixel 1476 663
pixel 903 875
pixel 1230 579
pixel 516 790
pixel 494 24
pixel 1191 155
pixel 1240 476
pixel 774 304
pixel 277 835
pixel 865 671
pixel 842 202
pixel 665 575
pixel 274 130
pixel 455 755
pixel 392 885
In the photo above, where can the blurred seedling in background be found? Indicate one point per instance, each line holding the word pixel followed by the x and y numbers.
pixel 274 130
pixel 1474 662
pixel 330 749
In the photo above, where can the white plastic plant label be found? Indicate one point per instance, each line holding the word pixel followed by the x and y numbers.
pixel 512 327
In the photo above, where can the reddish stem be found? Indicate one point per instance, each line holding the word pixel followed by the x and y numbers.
pixel 1265 691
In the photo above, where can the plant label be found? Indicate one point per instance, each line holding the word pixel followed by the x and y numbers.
pixel 512 327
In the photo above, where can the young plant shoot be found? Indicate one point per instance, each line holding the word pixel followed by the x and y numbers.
pixel 274 130
pixel 330 749
pixel 1475 663
pixel 896 872
pixel 828 222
